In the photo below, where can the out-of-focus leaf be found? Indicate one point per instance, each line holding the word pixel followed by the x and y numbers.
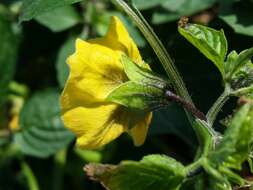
pixel 42 133
pixel 34 8
pixel 212 43
pixel 59 19
pixel 144 4
pixel 239 17
pixel 61 66
pixel 89 155
pixel 152 172
pixel 187 7
pixel 101 23
pixel 8 55
pixel 175 9
pixel 162 16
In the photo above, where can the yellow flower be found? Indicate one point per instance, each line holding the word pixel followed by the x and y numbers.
pixel 96 70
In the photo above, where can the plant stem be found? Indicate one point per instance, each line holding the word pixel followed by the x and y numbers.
pixel 215 109
pixel 187 105
pixel 32 181
pixel 242 91
pixel 158 48
pixel 162 55
pixel 194 168
pixel 58 174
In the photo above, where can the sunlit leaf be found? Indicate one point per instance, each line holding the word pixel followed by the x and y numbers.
pixel 212 43
pixel 152 172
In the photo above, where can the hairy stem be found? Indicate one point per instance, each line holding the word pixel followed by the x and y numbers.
pixel 215 109
pixel 187 105
pixel 158 48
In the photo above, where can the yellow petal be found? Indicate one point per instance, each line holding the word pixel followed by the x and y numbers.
pixel 117 38
pixel 95 126
pixel 95 71
pixel 140 130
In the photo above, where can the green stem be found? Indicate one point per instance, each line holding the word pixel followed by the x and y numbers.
pixel 31 179
pixel 215 109
pixel 193 168
pixel 242 91
pixel 58 175
pixel 158 48
pixel 161 53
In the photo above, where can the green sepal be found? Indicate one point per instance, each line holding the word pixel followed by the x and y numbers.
pixel 141 74
pixel 152 172
pixel 212 43
pixel 137 96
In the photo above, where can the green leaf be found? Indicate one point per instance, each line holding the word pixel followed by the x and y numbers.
pixel 162 16
pixel 55 21
pixel 62 69
pixel 141 74
pixel 137 96
pixel 235 62
pixel 42 133
pixel 212 43
pixel 152 172
pixel 34 8
pixel 8 55
pixel 234 148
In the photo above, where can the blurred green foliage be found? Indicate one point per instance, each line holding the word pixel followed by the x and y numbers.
pixel 36 38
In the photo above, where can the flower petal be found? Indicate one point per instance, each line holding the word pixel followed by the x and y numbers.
pixel 117 38
pixel 95 126
pixel 94 72
pixel 140 130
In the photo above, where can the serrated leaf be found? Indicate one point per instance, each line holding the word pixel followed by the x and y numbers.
pixel 212 43
pixel 42 133
pixel 234 148
pixel 137 96
pixel 55 21
pixel 61 66
pixel 235 62
pixel 8 55
pixel 34 8
pixel 152 172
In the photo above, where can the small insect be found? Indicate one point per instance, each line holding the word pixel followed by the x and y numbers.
pixel 183 21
